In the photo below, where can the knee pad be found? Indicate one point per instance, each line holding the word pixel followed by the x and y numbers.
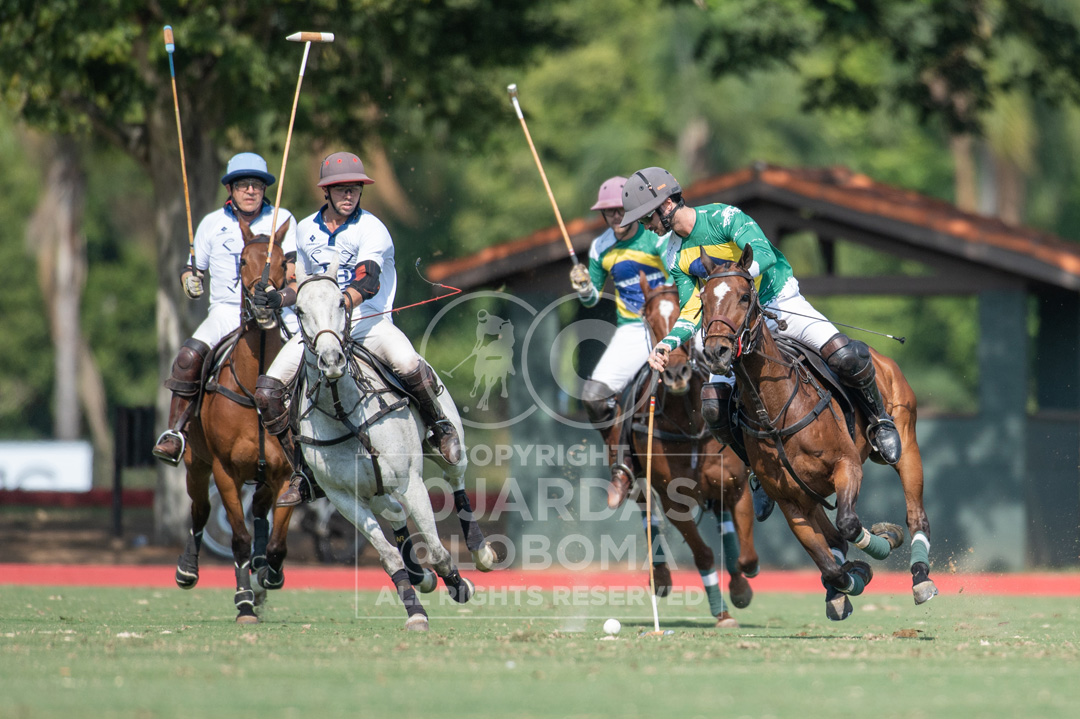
pixel 187 368
pixel 270 394
pixel 714 400
pixel 599 401
pixel 850 359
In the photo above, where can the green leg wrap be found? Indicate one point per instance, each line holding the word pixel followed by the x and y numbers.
pixel 920 549
pixel 730 543
pixel 876 547
pixel 858 584
pixel 711 580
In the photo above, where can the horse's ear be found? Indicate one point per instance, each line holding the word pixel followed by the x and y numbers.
pixel 644 280
pixel 245 231
pixel 747 258
pixel 281 233
pixel 706 261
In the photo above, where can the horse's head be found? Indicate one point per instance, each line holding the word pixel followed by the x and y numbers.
pixel 252 262
pixel 659 312
pixel 731 315
pixel 324 317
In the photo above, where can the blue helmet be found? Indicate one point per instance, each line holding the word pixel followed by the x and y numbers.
pixel 247 164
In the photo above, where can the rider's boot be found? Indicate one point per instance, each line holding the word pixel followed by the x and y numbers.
pixel 423 384
pixel 715 400
pixel 851 361
pixel 601 404
pixel 184 383
pixel 270 398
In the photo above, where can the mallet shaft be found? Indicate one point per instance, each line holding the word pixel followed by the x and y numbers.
pixel 170 46
pixel 648 510
pixel 512 89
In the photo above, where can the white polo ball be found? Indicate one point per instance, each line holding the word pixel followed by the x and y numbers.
pixel 612 626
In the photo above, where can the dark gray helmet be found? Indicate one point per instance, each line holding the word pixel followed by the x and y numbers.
pixel 645 191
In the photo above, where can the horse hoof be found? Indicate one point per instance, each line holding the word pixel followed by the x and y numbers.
pixel 741 592
pixel 485 558
pixel 724 620
pixel 751 570
pixel 463 592
pixel 662 579
pixel 894 533
pixel 268 580
pixel 430 582
pixel 416 623
pixel 924 591
pixel 244 618
pixel 186 580
pixel 838 608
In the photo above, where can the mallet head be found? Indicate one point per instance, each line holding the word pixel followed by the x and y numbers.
pixel 512 89
pixel 311 37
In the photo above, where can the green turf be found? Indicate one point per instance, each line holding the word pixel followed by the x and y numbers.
pixel 68 652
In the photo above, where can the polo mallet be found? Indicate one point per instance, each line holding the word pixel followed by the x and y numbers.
pixel 170 46
pixel 648 515
pixel 512 89
pixel 307 38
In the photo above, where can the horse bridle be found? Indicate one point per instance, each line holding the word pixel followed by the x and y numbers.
pixel 344 340
pixel 748 334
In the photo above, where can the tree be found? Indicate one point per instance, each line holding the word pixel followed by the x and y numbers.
pixel 950 60
pixel 404 73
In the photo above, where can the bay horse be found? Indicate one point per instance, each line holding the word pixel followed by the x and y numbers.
pixel 226 438
pixel 798 441
pixel 364 443
pixel 691 468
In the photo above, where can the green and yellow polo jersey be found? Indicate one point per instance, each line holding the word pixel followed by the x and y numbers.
pixel 623 261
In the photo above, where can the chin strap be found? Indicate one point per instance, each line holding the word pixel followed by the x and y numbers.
pixel 665 220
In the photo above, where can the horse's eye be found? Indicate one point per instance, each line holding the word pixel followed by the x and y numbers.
pixel 745 299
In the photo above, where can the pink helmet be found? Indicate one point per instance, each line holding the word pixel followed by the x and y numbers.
pixel 610 195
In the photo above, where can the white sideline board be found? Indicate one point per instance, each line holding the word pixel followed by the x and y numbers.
pixel 47 465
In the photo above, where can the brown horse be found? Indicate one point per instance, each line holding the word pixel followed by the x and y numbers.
pixel 799 444
pixel 226 438
pixel 691 468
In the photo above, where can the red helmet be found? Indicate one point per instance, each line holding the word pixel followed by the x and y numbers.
pixel 341 168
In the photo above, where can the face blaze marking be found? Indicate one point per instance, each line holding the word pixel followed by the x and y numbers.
pixel 666 308
pixel 720 291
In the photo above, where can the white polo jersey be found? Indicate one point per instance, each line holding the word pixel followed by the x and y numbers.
pixel 362 237
pixel 218 244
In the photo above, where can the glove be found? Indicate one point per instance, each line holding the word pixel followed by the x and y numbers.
pixel 193 285
pixel 579 280
pixel 266 296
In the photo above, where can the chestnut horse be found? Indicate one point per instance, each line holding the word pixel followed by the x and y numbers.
pixel 691 468
pixel 226 438
pixel 798 442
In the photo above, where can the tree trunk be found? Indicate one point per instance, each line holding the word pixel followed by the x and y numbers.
pixel 55 231
pixel 177 316
pixel 967 176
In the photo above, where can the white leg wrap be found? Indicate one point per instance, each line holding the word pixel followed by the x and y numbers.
pixel 864 539
pixel 920 537
pixel 711 579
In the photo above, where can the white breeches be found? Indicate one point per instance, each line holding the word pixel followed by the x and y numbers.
pixel 221 320
pixel 812 329
pixel 624 356
pixel 383 339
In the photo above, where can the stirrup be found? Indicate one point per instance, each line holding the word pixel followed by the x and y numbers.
pixel 763 503
pixel 168 458
pixel 302 490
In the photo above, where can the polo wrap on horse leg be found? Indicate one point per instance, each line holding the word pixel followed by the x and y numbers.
pixel 185 382
pixel 423 384
pixel 851 361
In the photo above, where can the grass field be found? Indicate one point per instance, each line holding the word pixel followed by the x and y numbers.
pixel 108 652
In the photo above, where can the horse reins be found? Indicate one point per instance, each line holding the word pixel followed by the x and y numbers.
pixel 752 334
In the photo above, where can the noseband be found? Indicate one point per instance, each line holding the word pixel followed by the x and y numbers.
pixel 747 335
pixel 341 340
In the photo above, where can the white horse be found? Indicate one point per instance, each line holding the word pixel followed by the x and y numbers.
pixel 364 444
